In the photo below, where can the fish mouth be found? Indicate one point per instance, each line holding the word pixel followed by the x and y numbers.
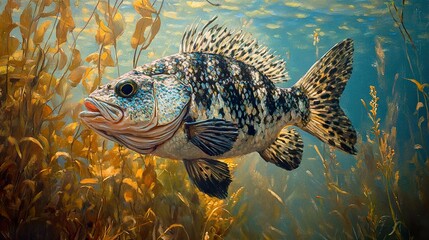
pixel 101 111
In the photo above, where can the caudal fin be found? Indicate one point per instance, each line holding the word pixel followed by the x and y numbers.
pixel 323 84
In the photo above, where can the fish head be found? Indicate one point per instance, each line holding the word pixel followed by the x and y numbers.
pixel 138 111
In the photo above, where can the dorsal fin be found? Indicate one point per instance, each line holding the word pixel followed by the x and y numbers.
pixel 235 44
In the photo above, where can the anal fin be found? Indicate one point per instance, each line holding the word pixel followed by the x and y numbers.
pixel 285 151
pixel 210 176
pixel 214 136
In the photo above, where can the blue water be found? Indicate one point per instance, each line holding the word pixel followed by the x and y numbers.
pixel 274 203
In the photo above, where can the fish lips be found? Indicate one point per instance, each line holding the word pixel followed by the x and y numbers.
pixel 101 111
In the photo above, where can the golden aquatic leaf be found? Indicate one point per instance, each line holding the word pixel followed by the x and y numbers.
pixel 70 129
pixel 107 34
pixel 66 23
pixel 128 196
pixel 67 187
pixel 139 173
pixel 104 35
pixel 62 59
pixel 143 7
pixel 44 141
pixel 13 141
pixel 33 140
pixel 106 58
pixel 44 172
pixel 88 83
pixel 67 16
pixel 138 35
pixel 275 195
pixel 95 83
pixel 89 181
pixel 118 24
pixel 104 27
pixel 421 120
pixel 154 29
pixel 6 20
pixel 81 167
pixel 76 59
pixel 46 111
pixel 40 32
pixel 92 58
pixel 76 75
pixel 57 155
pixel 131 183
pixel 419 105
pixel 61 32
pixel 419 86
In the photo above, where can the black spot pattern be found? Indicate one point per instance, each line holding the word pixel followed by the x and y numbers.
pixel 286 151
pixel 324 84
pixel 227 88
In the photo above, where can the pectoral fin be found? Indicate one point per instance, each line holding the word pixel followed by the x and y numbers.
pixel 286 150
pixel 210 176
pixel 214 136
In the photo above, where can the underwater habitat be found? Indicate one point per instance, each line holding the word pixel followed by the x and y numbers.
pixel 60 179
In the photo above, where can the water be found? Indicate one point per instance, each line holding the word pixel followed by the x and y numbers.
pixel 60 180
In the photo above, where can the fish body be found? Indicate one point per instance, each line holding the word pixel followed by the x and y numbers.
pixel 217 99
pixel 224 88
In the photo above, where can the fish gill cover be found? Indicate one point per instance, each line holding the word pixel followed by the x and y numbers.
pixel 60 180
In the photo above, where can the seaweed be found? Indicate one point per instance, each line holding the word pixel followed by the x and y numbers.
pixel 58 175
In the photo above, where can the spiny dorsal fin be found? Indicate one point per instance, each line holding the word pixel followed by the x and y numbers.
pixel 286 150
pixel 235 44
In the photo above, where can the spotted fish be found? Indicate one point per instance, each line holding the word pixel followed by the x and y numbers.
pixel 217 99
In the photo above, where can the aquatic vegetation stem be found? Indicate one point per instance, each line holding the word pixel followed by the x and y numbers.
pixel 213 4
pixel 397 15
pixel 387 153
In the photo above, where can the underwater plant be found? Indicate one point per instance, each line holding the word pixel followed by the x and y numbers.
pixel 58 178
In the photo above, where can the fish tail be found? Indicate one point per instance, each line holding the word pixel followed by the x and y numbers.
pixel 323 85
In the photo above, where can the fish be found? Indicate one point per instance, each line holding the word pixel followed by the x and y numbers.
pixel 217 98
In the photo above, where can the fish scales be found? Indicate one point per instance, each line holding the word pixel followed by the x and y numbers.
pixel 230 89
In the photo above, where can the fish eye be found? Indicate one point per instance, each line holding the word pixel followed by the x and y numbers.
pixel 126 88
